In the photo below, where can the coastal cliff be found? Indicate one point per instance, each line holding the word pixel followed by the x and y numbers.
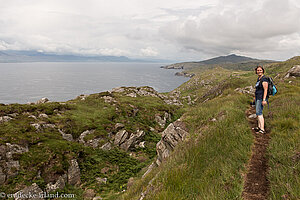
pixel 136 143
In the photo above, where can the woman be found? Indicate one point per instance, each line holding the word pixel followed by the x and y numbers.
pixel 261 98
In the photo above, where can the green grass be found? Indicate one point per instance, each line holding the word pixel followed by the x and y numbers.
pixel 211 164
pixel 284 174
pixel 49 154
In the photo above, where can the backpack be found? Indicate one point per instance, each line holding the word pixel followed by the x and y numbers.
pixel 272 90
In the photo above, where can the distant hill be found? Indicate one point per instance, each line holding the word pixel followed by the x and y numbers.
pixel 230 62
pixel 36 56
pixel 227 59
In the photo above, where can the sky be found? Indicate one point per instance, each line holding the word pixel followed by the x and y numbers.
pixel 178 30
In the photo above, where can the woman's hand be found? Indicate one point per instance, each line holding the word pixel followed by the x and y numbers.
pixel 264 103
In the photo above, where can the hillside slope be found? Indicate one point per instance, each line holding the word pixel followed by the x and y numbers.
pixel 100 145
pixel 211 163
pixel 232 61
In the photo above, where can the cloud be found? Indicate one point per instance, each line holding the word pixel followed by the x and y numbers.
pixel 237 26
pixel 149 51
pixel 178 30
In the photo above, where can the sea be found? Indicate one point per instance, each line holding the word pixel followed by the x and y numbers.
pixel 61 81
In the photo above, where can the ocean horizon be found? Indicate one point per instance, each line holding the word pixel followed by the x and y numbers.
pixel 63 81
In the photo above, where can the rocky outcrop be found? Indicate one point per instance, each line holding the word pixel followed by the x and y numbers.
pixel 171 136
pixel 162 120
pixel 82 96
pixel 42 100
pixel 5 119
pixel 294 71
pixel 83 135
pixel 101 180
pixel 34 192
pixel 92 142
pixel 146 91
pixel 43 115
pixel 133 139
pixel 59 184
pixel 2 176
pixel 89 194
pixel 31 192
pixel 120 137
pixel 214 91
pixel 109 99
pixel 125 140
pixel 106 146
pixel 174 66
pixel 246 90
pixel 8 166
pixel 74 173
pixel 185 74
pixel 42 125
pixel 118 126
pixel 67 137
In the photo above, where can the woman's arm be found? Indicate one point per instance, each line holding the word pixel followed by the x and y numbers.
pixel 265 86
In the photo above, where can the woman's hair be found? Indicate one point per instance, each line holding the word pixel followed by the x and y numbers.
pixel 259 67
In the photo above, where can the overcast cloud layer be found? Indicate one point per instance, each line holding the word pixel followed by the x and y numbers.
pixel 180 30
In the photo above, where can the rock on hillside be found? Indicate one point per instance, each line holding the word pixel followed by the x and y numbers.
pixel 171 136
pixel 144 91
pixel 295 71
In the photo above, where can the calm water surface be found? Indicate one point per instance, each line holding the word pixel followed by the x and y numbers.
pixel 29 82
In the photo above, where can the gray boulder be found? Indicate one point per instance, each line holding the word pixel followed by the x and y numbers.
pixel 14 149
pixel 171 136
pixel 12 168
pixel 43 115
pixel 2 176
pixel 119 126
pixel 294 71
pixel 118 89
pixel 60 184
pixel 108 99
pixel 37 126
pixel 89 194
pixel 101 180
pixel 67 137
pixel 42 100
pixel 82 96
pixel 133 139
pixel 83 134
pixel 162 120
pixel 74 173
pixel 5 119
pixel 246 90
pixel 120 137
pixel 93 143
pixel 32 192
pixel 106 146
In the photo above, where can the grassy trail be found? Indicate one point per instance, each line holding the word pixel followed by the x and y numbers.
pixel 256 184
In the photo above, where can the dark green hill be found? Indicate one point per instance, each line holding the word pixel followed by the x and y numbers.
pixel 232 61
pixel 227 59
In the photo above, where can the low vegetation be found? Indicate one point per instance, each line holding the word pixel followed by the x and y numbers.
pixel 210 164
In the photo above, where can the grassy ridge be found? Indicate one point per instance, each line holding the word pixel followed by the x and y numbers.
pixel 284 148
pixel 211 164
